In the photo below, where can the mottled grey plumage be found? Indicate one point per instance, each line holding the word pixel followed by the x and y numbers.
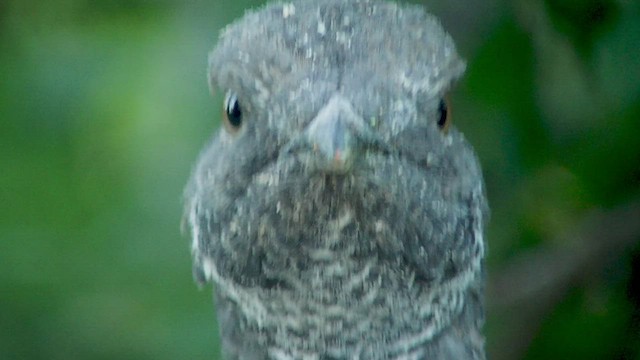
pixel 339 220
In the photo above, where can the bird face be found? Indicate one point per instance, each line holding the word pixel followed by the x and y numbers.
pixel 311 80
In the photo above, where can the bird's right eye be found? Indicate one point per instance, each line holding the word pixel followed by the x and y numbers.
pixel 232 114
pixel 444 115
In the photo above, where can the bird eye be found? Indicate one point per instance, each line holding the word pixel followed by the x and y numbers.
pixel 444 116
pixel 232 112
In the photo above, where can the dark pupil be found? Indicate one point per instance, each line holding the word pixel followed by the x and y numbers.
pixel 234 114
pixel 442 111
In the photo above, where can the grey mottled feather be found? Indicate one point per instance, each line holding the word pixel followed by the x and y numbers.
pixel 381 258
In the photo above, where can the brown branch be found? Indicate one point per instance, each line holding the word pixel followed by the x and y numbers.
pixel 524 292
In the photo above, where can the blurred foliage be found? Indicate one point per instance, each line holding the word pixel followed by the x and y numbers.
pixel 104 106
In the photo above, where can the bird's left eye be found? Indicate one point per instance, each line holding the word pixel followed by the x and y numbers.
pixel 444 115
pixel 232 112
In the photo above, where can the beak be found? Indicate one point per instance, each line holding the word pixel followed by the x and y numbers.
pixel 332 134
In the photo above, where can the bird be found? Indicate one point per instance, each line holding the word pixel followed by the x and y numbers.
pixel 338 212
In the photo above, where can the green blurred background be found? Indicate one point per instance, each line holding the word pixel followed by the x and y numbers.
pixel 104 106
